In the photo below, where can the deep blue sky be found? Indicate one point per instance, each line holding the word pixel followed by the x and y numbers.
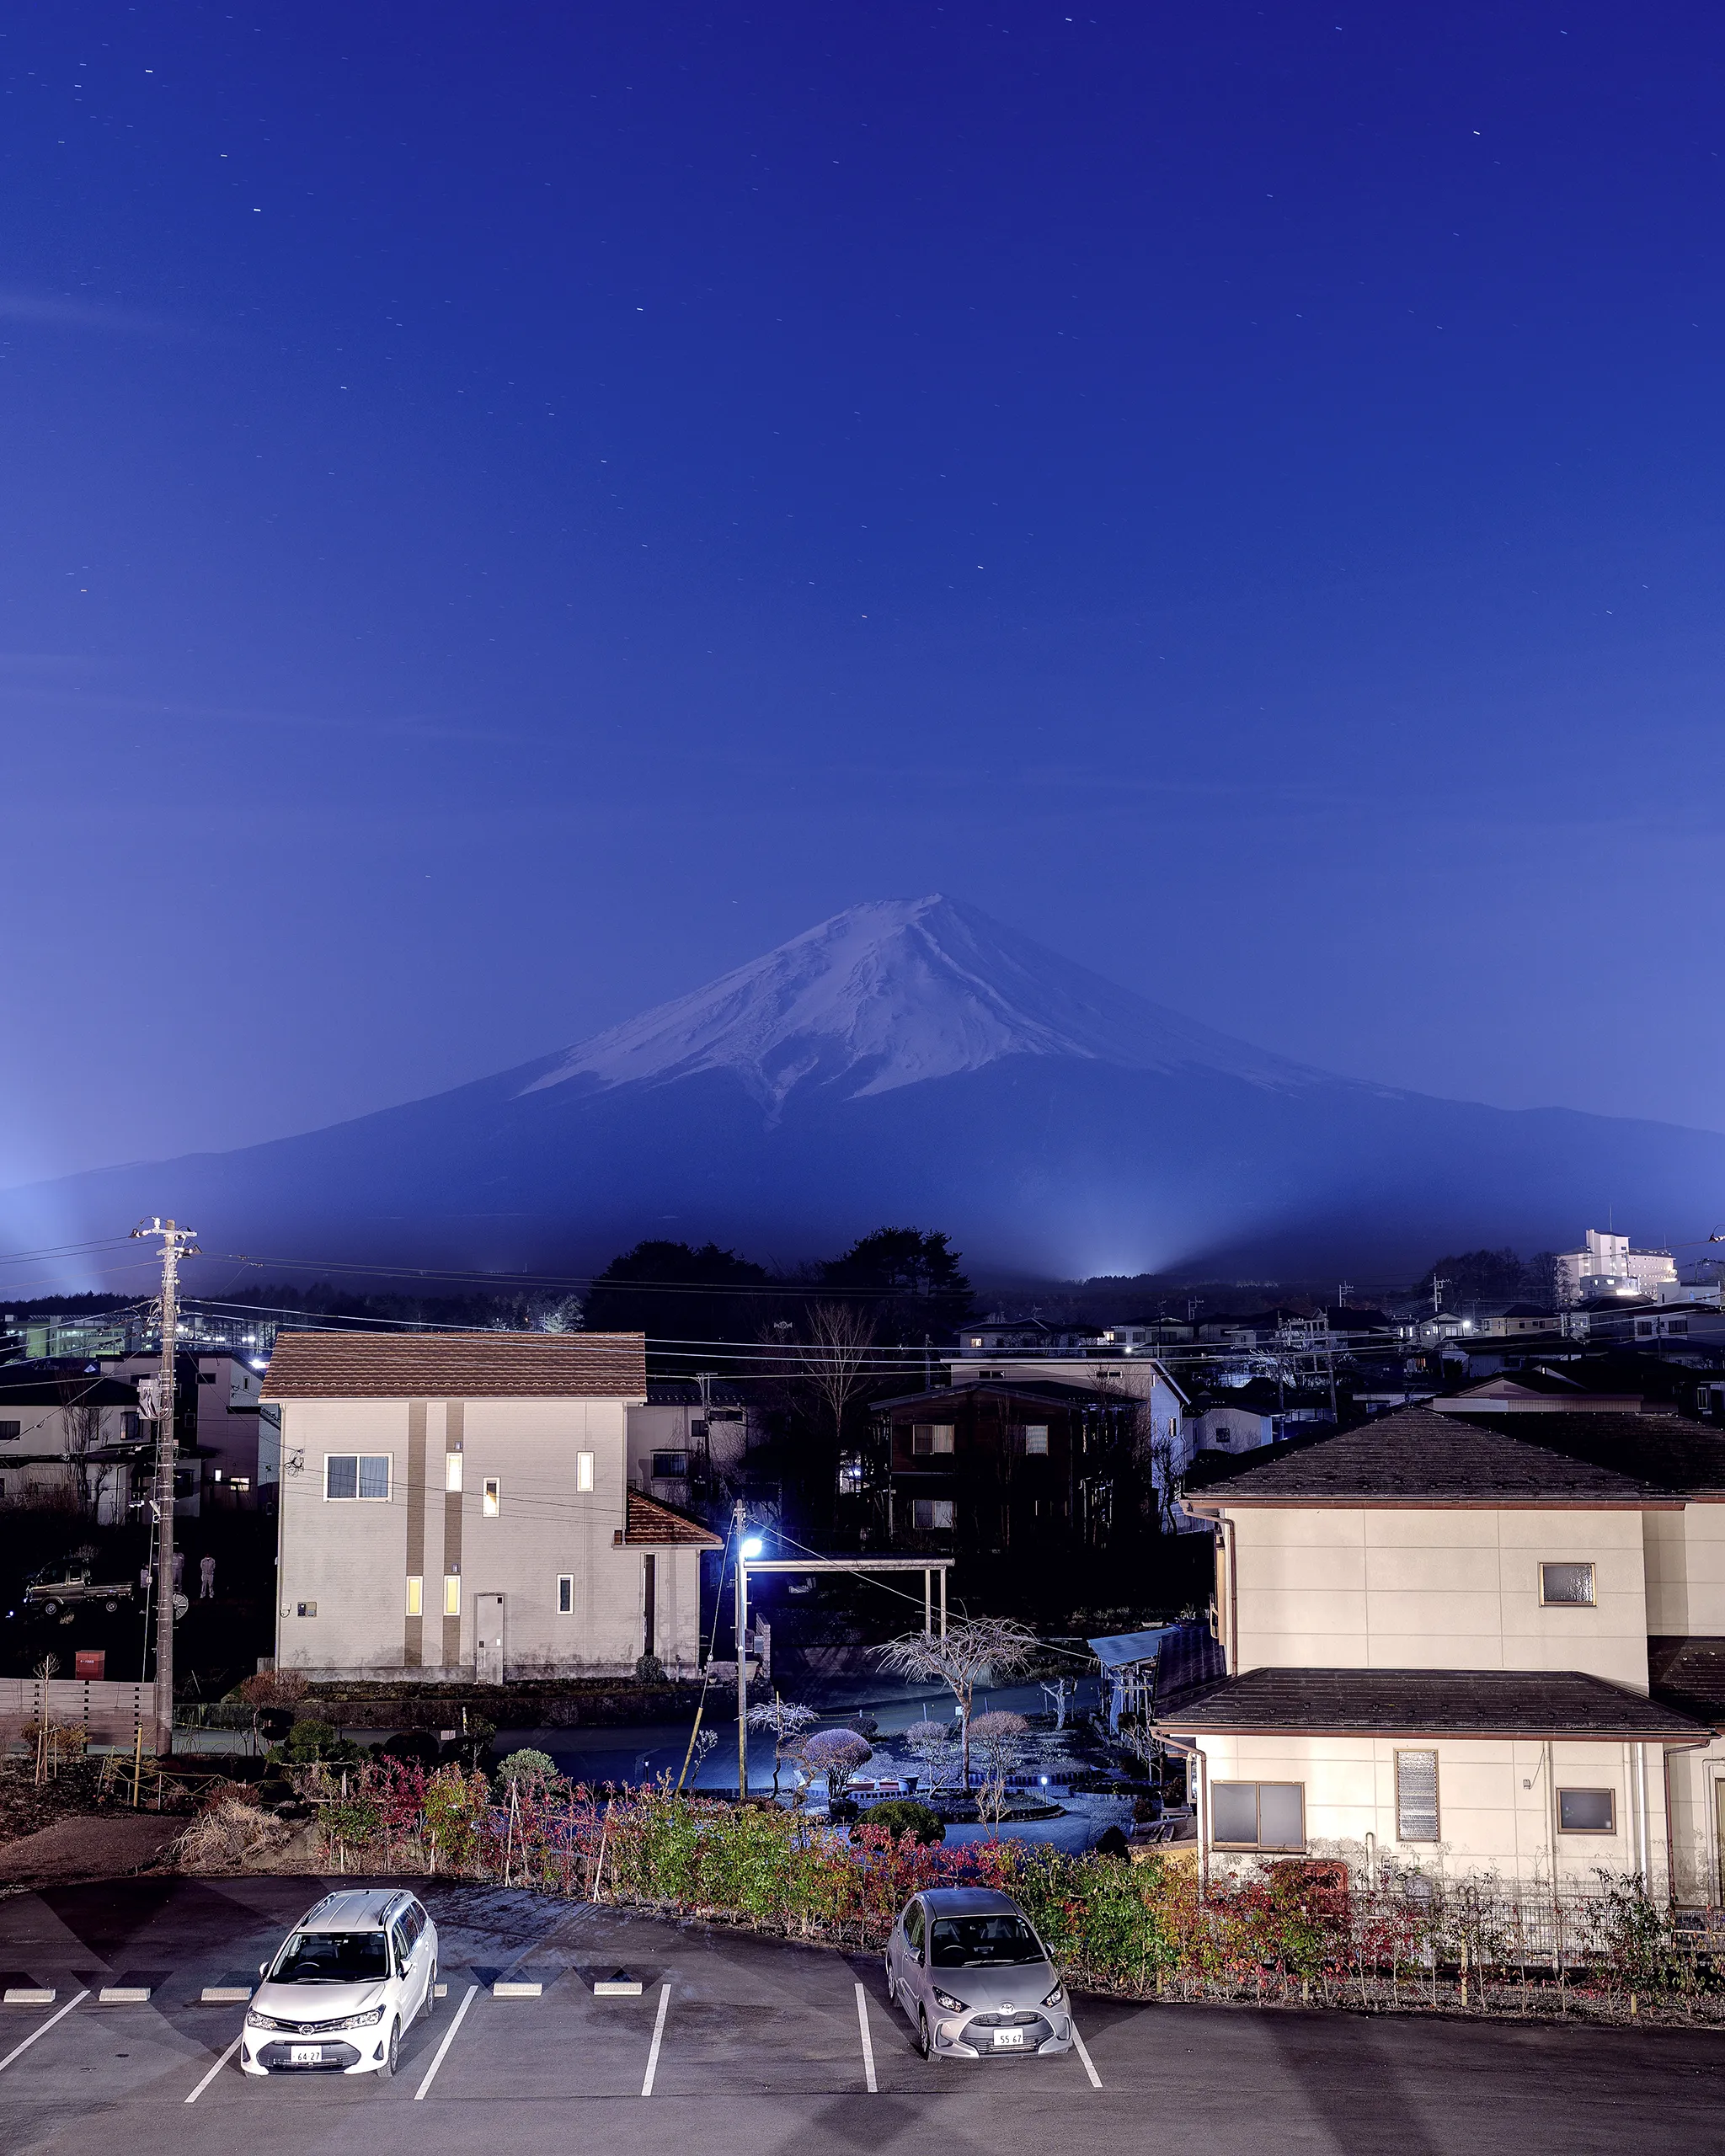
pixel 508 511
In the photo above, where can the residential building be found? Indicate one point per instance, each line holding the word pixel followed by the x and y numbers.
pixel 218 1412
pixel 1520 1322
pixel 1607 1266
pixel 1471 1641
pixel 688 1442
pixel 1019 1464
pixel 458 1506
pixel 69 1435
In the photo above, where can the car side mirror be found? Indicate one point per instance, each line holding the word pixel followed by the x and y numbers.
pixel 263 1969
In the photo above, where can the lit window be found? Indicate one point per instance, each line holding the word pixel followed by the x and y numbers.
pixel 416 1595
pixel 1568 1587
pixel 1258 1815
pixel 931 1511
pixel 1586 1810
pixel 1415 1797
pixel 1036 1439
pixel 452 1594
pixel 852 1476
pixel 932 1437
pixel 565 1593
pixel 357 1474
pixel 584 1470
pixel 451 1470
pixel 491 1500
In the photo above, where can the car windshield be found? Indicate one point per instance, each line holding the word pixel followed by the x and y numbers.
pixel 332 1957
pixel 983 1943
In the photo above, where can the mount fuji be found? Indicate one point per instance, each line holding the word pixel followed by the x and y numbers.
pixel 914 1062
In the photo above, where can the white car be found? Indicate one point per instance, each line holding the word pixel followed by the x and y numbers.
pixel 353 1973
pixel 965 1964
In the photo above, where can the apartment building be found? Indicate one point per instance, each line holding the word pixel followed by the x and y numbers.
pixel 1472 1640
pixel 459 1507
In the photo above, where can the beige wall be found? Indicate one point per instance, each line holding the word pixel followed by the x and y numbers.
pixel 1495 1802
pixel 1686 1569
pixel 1697 1779
pixel 350 1556
pixel 1452 1589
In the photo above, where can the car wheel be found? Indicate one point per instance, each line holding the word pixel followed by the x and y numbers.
pixel 431 2006
pixel 391 2057
pixel 51 1608
pixel 110 1605
pixel 925 2035
pixel 892 1984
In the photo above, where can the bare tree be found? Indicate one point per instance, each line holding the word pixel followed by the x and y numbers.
pixel 933 1744
pixel 80 1424
pixel 788 1721
pixel 832 1364
pixel 1001 1738
pixel 974 1651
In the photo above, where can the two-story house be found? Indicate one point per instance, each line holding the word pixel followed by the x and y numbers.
pixel 1473 1640
pixel 458 1506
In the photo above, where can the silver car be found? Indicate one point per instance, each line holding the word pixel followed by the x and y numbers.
pixel 353 1974
pixel 966 1966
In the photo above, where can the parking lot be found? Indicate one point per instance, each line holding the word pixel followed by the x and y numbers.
pixel 742 2046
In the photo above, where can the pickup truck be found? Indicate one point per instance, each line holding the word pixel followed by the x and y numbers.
pixel 60 1585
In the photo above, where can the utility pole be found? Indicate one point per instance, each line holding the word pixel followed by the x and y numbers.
pixel 176 1244
pixel 739 1520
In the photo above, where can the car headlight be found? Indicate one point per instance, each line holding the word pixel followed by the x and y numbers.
pixel 1056 1997
pixel 945 1998
pixel 357 2021
pixel 261 2022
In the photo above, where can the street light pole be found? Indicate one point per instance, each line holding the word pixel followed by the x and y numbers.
pixel 748 1546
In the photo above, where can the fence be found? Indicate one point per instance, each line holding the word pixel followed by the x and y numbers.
pixel 110 1714
pixel 1295 1932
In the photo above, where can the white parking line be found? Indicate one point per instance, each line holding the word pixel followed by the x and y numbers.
pixel 19 2048
pixel 658 2038
pixel 1095 2077
pixel 867 2041
pixel 214 2071
pixel 460 2015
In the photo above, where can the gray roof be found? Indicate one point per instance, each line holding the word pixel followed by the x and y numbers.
pixel 1415 1456
pixel 1538 1703
pixel 1689 1675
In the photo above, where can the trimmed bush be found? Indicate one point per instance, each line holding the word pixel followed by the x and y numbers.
pixel 902 1816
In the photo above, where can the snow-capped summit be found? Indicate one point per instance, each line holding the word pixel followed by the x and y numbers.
pixel 889 993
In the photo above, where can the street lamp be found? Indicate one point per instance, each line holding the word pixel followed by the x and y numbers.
pixel 748 1546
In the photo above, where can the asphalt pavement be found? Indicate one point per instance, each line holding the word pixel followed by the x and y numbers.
pixel 740 2047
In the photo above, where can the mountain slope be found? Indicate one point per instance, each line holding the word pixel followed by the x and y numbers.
pixel 913 1062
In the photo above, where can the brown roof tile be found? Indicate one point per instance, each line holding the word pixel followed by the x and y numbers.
pixel 1555 1703
pixel 457 1366
pixel 651 1520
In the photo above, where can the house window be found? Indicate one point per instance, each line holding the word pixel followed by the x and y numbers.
pixel 1568 1587
pixel 128 1426
pixel 850 1475
pixel 1417 1796
pixel 1676 1325
pixel 669 1466
pixel 584 1470
pixel 931 1511
pixel 1224 1436
pixel 357 1474
pixel 416 1595
pixel 16 1429
pixel 452 1470
pixel 1036 1440
pixel 491 1499
pixel 1258 1815
pixel 932 1437
pixel 452 1594
pixel 241 1482
pixel 565 1593
pixel 1586 1810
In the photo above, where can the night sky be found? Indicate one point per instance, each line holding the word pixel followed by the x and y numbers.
pixel 506 511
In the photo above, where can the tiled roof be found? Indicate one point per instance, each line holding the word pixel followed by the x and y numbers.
pixel 651 1520
pixel 1689 1675
pixel 1415 1456
pixel 1666 1452
pixel 1558 1703
pixel 457 1366
pixel 1191 1660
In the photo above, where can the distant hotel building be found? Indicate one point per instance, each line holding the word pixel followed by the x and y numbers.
pixel 1608 1266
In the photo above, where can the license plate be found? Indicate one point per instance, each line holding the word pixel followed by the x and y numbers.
pixel 1006 2039
pixel 305 2054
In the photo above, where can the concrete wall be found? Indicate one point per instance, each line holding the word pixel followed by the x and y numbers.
pixel 349 1559
pixel 1496 1800
pixel 1391 1590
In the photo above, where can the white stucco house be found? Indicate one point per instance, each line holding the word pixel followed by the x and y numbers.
pixel 1475 1642
pixel 458 1507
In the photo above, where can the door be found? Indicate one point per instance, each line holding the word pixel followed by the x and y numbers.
pixel 487 1623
